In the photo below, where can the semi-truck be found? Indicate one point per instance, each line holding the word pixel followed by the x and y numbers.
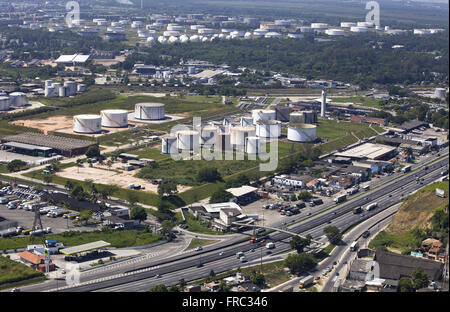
pixel 357 210
pixel 304 282
pixel 352 191
pixel 340 199
pixel 371 206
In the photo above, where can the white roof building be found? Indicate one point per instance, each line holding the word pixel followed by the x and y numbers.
pixel 72 59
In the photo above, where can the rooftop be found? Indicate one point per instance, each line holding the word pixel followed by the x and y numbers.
pixel 215 208
pixel 84 247
pixel 240 191
pixel 367 150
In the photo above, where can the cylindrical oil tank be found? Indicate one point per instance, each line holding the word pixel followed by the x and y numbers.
pixel 296 117
pixel 62 92
pixel 48 83
pixel 238 134
pixel 252 145
pixel 264 114
pixel 301 133
pixel 188 140
pixel 49 91
pixel 149 111
pixel 114 118
pixel 81 88
pixel 169 144
pixel 246 121
pixel 87 123
pixel 17 99
pixel 358 29
pixel 268 129
pixel 223 142
pixel 71 87
pixel 208 135
pixel 4 103
pixel 282 112
pixel 348 24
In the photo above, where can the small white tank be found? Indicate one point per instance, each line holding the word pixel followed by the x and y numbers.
pixel 87 123
pixel 4 103
pixel 81 88
pixel 252 145
pixel 188 140
pixel 238 134
pixel 246 121
pixel 71 88
pixel 208 135
pixel 267 114
pixel 169 144
pixel 62 91
pixel 302 133
pixel 440 93
pixel 149 111
pixel 114 118
pixel 268 129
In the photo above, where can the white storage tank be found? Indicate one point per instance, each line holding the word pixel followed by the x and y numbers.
pixel 335 32
pixel 188 140
pixel 268 129
pixel 71 87
pixel 348 24
pixel 171 33
pixel 114 118
pixel 238 134
pixel 169 144
pixel 87 123
pixel 208 135
pixel 246 121
pixel 252 145
pixel 283 112
pixel 206 31
pixel 440 93
pixel 301 132
pixel 223 142
pixel 81 88
pixel 365 24
pixel 358 29
pixel 264 114
pixel 319 25
pixel 149 111
pixel 272 34
pixel 17 99
pixel 4 103
pixel 62 92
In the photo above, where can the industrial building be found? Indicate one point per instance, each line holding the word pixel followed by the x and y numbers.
pixel 369 151
pixel 32 142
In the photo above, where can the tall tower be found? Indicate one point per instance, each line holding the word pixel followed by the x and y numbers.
pixel 323 106
pixel 142 5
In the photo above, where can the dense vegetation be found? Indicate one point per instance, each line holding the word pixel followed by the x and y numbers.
pixel 13 272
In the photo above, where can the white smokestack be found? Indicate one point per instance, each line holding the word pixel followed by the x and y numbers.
pixel 323 107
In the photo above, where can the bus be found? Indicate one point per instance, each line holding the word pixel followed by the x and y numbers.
pixel 354 246
pixel 406 169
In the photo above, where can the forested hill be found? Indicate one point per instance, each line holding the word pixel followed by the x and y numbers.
pixel 364 59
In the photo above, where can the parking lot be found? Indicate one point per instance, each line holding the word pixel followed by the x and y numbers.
pixel 25 218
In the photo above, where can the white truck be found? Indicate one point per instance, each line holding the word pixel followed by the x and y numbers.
pixel 239 254
pixel 371 206
pixel 354 246
pixel 340 199
pixel 270 245
pixel 304 282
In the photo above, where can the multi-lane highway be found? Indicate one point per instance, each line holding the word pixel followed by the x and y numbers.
pixel 142 277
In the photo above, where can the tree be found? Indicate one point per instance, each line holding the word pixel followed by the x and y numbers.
pixel 405 285
pixel 173 288
pixel 220 196
pixel 132 198
pixel 78 193
pixel 258 279
pixel 304 195
pixel 107 190
pixel 16 165
pixel 333 234
pixel 208 175
pixel 138 213
pixel 300 263
pixel 85 216
pixel 79 163
pixel 299 243
pixel 48 179
pixel 212 275
pixel 167 189
pixel 166 228
pixel 93 151
pixel 419 278
pixel 223 287
pixel 159 288
pixel 182 284
pixel 69 185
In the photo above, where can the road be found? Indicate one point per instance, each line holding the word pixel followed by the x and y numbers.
pixel 185 266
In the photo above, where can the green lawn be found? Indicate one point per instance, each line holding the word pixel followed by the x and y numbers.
pixel 360 100
pixel 196 226
pixel 14 274
pixel 198 242
pixel 119 239
pixel 274 272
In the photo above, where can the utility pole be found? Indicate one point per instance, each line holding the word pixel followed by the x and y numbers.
pixel 267 56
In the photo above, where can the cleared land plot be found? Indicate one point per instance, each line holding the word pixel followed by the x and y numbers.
pixel 359 100
pixel 274 272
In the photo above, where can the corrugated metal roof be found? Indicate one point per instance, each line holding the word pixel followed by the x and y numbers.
pixel 27 146
pixel 84 247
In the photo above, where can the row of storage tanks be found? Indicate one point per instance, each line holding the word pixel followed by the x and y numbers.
pixel 117 118
pixel 247 134
pixel 69 88
pixel 12 100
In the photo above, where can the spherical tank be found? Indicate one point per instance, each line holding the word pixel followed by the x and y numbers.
pixel 114 118
pixel 149 111
pixel 87 123
pixel 268 129
pixel 169 144
pixel 252 145
pixel 238 134
pixel 187 140
pixel 302 133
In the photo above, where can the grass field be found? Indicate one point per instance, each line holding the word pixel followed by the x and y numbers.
pixel 119 239
pixel 274 272
pixel 360 100
pixel 196 226
pixel 198 242
pixel 14 274
pixel 414 213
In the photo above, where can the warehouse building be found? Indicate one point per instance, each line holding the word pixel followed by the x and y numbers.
pixel 369 151
pixel 38 144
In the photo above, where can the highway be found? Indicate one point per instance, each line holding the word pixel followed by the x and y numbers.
pixel 142 277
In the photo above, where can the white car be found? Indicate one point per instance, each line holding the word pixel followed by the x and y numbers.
pixel 198 248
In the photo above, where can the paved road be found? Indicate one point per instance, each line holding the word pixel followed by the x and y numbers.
pixel 341 216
